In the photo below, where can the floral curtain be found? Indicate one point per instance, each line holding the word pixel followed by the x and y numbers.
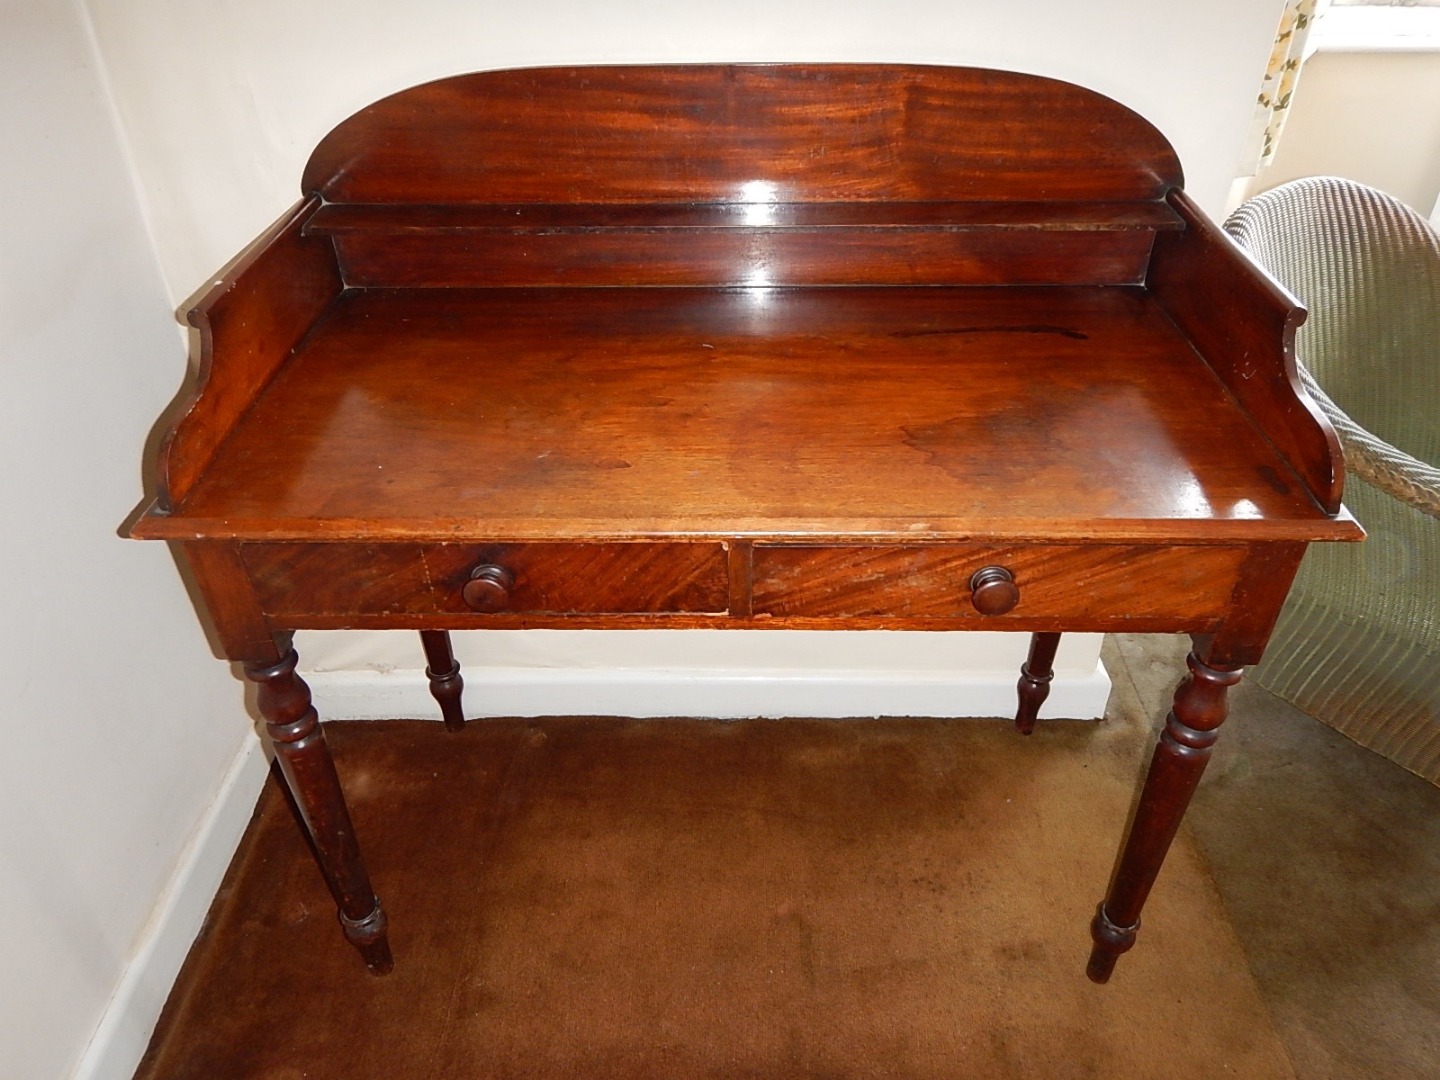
pixel 1282 73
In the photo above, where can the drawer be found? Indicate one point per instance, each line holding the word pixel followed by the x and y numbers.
pixel 297 580
pixel 919 581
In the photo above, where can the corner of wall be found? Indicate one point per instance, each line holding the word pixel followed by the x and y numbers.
pixel 120 1040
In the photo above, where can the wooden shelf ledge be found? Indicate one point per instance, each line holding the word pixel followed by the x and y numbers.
pixel 348 219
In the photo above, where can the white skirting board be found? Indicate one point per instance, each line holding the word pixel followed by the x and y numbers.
pixel 124 1032
pixel 709 692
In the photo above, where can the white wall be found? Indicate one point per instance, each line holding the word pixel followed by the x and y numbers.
pixel 1371 116
pixel 116 724
pixel 222 101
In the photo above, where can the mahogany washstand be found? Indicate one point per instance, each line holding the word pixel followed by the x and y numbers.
pixel 819 347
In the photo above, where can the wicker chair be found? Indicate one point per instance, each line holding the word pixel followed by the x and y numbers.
pixel 1358 645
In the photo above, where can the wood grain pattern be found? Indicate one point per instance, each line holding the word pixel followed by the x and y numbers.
pixel 920 581
pixel 253 315
pixel 669 620
pixel 298 580
pixel 680 221
pixel 230 604
pixel 717 257
pixel 1260 590
pixel 954 243
pixel 742 133
pixel 1199 272
pixel 912 414
pixel 729 367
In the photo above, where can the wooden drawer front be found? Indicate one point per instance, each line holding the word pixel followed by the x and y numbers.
pixel 379 579
pixel 933 581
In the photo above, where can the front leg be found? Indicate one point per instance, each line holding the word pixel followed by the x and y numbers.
pixel 1180 758
pixel 309 770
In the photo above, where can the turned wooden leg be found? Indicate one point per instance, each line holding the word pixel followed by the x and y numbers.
pixel 309 771
pixel 443 671
pixel 1035 676
pixel 1180 757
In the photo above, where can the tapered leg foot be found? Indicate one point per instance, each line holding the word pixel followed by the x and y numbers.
pixel 309 771
pixel 1035 677
pixel 1110 941
pixel 443 671
pixel 1180 758
pixel 368 937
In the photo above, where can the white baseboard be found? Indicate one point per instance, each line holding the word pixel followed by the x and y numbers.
pixel 715 693
pixel 124 1031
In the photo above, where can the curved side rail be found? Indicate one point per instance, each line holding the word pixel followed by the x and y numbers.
pixel 1199 275
pixel 249 320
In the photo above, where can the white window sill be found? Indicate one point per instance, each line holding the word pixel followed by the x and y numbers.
pixel 1376 29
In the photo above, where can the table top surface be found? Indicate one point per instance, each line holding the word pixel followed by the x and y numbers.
pixel 905 414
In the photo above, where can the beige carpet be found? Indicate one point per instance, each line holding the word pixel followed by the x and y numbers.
pixel 609 898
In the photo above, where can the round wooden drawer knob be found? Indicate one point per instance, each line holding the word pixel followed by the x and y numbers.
pixel 993 590
pixel 488 588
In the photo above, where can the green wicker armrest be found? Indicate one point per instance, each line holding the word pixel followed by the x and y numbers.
pixel 1375 461
pixel 1358 644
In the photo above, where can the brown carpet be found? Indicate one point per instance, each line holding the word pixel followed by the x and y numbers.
pixel 614 898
